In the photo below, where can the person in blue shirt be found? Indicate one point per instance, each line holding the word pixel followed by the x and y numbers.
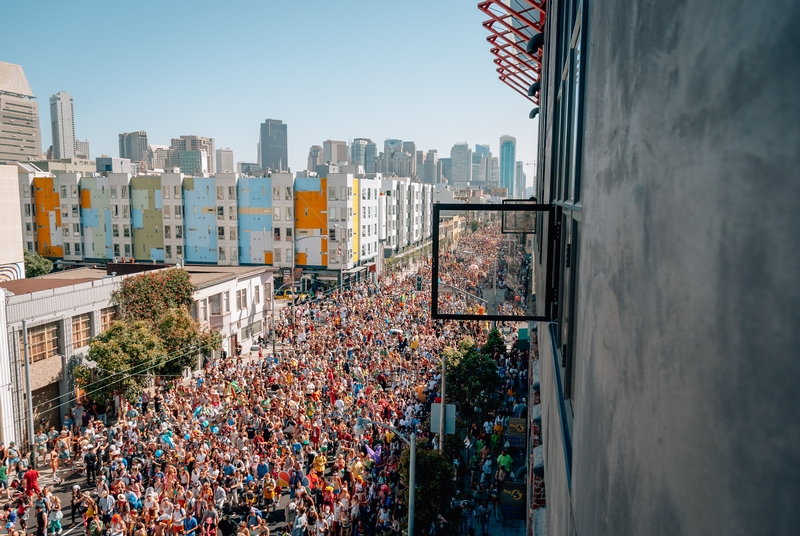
pixel 189 525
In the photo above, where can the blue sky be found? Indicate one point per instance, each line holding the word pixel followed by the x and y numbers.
pixel 416 70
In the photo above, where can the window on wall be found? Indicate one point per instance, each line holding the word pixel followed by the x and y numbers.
pixel 226 298
pixel 177 212
pixel 231 193
pixel 124 191
pixel 167 231
pixel 221 232
pixel 256 294
pixel 221 253
pixel 42 341
pixel 241 299
pixel 276 213
pixel 178 251
pixel 107 316
pixel 288 213
pixel 231 213
pixel 168 251
pixel 179 231
pixel 67 249
pixel 277 255
pixel 116 250
pixel 276 233
pixel 232 233
pixel 115 230
pixel 81 330
pixel 220 195
pixel 276 193
pixel 220 213
pixel 176 192
pixel 288 193
pixel 165 192
pixel 288 233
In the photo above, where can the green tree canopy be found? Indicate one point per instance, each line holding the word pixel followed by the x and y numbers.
pixel 149 295
pixel 435 484
pixel 182 341
pixel 121 360
pixel 36 265
pixel 472 381
pixel 495 342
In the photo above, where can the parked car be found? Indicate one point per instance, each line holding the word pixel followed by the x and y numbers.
pixel 286 294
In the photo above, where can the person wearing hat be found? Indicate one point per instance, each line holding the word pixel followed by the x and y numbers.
pixel 90 464
pixel 106 506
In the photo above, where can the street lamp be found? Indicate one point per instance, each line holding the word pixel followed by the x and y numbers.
pixel 411 441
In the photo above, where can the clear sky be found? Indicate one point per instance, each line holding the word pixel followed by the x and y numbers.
pixel 417 70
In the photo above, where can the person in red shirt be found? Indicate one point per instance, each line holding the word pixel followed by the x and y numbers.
pixel 31 482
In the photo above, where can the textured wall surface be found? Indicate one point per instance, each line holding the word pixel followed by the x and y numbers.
pixel 686 417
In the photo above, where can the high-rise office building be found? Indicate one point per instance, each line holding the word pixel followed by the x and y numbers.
pixel 447 169
pixel 314 157
pixel 478 169
pixel 495 171
pixel 334 151
pixel 486 151
pixel 430 168
pixel 358 151
pixel 370 154
pixel 273 147
pixel 224 161
pixel 519 181
pixel 461 157
pixel 19 116
pixel 411 148
pixel 62 125
pixel 133 146
pixel 508 155
pixel 192 143
pixel 82 149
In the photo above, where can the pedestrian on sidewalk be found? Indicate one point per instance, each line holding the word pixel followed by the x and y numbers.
pixel 484 514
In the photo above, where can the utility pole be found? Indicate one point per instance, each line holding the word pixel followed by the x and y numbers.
pixel 443 406
pixel 28 394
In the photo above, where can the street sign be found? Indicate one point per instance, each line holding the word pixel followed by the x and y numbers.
pixel 449 418
pixel 517 433
pixel 512 500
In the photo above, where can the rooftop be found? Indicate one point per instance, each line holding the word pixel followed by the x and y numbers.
pixel 13 80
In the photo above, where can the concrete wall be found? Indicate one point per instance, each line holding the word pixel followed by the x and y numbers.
pixel 685 417
pixel 11 261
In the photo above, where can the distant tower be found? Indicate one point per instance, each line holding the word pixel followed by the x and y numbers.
pixel 508 155
pixel 224 161
pixel 133 146
pixel 19 113
pixel 314 158
pixel 273 145
pixel 62 123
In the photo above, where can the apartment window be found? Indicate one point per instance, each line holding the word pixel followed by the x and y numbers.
pixel 220 213
pixel 221 253
pixel 221 232
pixel 277 233
pixel 126 211
pixel 124 189
pixel 74 211
pixel 107 316
pixel 81 330
pixel 232 233
pixel 276 213
pixel 115 211
pixel 65 229
pixel 42 341
pixel 30 246
pixel 67 250
pixel 177 212
pixel 179 251
pixel 257 294
pixel 241 299
pixel 231 193
pixel 289 254
pixel 179 231
pixel 168 252
pixel 115 230
pixel 277 255
pixel 78 249
pixel 332 193
pixel 343 193
pixel 332 234
pixel 226 298
pixel 126 231
pixel 176 192
pixel 116 250
pixel 363 212
pixel 165 192
pixel 166 212
pixel 276 193
pixel 219 193
pixel 288 233
pixel 27 209
pixel 231 213
pixel 203 309
pixel 167 231
pixel 214 304
pixel 63 192
pixel 236 252
pixel 288 213
pixel 113 192
pixel 288 195
pixel 28 229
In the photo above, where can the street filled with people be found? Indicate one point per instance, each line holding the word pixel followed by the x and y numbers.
pixel 257 443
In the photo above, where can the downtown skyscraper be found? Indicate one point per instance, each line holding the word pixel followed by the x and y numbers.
pixel 273 148
pixel 508 155
pixel 62 124
pixel 19 116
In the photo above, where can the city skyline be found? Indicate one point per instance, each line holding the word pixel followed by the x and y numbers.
pixel 109 105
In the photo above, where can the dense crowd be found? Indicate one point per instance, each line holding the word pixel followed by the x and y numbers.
pixel 216 454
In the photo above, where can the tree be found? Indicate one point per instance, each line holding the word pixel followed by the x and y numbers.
pixel 182 341
pixel 120 360
pixel 434 484
pixel 495 342
pixel 472 381
pixel 149 295
pixel 36 265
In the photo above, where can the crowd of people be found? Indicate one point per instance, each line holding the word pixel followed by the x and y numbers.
pixel 217 453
